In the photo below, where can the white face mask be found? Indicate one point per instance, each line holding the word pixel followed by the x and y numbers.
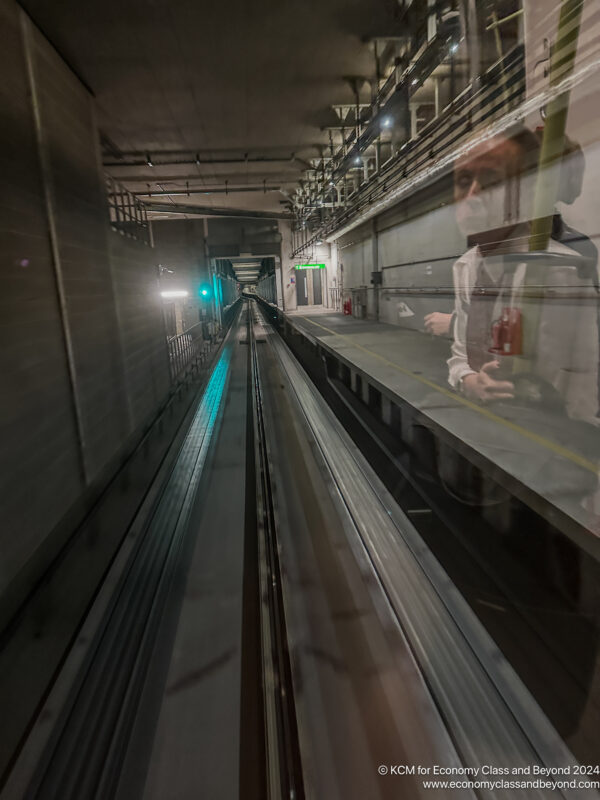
pixel 482 212
pixel 471 216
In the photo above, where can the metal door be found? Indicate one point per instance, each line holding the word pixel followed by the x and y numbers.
pixel 317 287
pixel 301 288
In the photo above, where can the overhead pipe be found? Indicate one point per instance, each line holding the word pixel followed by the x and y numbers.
pixel 226 190
pixel 448 30
pixel 181 208
pixel 231 177
pixel 162 162
pixel 397 105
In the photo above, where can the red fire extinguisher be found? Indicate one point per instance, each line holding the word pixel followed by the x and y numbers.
pixel 507 333
pixel 347 307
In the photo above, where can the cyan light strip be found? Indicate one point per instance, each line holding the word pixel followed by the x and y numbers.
pixel 184 480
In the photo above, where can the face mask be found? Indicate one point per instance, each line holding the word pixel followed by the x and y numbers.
pixel 482 212
pixel 471 216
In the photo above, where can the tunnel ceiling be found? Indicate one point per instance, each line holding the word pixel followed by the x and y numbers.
pixel 231 82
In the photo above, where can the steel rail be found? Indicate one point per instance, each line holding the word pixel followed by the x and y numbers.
pixel 284 766
pixel 491 716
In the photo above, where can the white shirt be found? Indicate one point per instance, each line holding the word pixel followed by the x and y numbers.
pixel 464 275
pixel 567 351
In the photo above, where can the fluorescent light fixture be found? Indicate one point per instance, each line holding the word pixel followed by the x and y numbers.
pixel 174 293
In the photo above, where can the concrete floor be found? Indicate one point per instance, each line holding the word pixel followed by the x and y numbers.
pixel 410 366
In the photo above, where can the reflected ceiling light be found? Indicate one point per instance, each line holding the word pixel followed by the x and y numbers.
pixel 174 293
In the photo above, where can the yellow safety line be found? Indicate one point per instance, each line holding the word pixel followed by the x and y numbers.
pixel 534 437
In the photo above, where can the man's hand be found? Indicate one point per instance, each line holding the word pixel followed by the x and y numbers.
pixel 438 324
pixel 481 386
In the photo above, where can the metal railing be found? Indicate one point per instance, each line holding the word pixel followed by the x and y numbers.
pixel 127 214
pixel 188 349
pixel 335 297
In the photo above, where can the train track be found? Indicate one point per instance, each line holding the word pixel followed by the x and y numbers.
pixel 351 647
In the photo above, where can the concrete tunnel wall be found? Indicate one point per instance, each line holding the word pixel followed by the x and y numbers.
pixel 84 361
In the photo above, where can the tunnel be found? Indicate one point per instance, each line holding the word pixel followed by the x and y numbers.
pixel 299 491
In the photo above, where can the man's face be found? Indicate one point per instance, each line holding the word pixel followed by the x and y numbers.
pixel 484 186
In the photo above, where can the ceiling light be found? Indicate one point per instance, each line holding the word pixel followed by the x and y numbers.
pixel 414 82
pixel 197 160
pixel 454 47
pixel 358 160
pixel 386 122
pixel 149 160
pixel 174 293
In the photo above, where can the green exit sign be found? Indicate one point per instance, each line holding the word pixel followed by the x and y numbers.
pixel 310 266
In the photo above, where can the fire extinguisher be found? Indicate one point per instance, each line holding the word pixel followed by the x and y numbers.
pixel 507 333
pixel 348 307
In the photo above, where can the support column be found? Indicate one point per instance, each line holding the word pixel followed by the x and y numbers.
pixel 375 265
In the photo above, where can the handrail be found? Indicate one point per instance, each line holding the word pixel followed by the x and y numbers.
pixel 127 214
pixel 187 348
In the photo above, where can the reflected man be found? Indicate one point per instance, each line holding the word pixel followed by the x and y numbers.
pixel 493 187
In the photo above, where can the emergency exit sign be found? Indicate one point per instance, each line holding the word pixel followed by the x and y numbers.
pixel 310 266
